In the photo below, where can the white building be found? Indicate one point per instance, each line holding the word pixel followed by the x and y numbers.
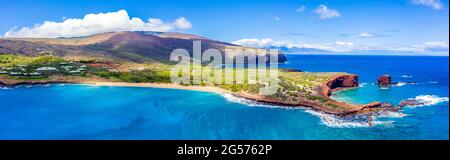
pixel 46 69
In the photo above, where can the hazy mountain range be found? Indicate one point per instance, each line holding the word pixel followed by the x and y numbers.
pixel 130 46
pixel 297 50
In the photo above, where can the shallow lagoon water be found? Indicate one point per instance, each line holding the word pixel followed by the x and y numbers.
pixel 91 112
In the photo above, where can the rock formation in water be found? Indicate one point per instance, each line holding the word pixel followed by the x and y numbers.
pixel 384 80
pixel 411 102
pixel 323 102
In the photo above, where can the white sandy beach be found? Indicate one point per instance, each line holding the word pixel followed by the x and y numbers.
pixel 161 85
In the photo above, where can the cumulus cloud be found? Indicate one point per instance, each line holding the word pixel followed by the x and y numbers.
pixel 301 9
pixel 96 23
pixel 435 4
pixel 324 12
pixel 183 23
pixel 345 46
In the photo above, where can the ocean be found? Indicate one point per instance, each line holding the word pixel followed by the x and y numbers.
pixel 67 111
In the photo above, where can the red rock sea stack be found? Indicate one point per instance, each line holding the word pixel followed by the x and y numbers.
pixel 384 80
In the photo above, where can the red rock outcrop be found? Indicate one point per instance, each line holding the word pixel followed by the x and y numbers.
pixel 325 90
pixel 338 83
pixel 344 81
pixel 411 102
pixel 384 80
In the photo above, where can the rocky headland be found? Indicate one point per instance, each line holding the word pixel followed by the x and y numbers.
pixel 318 100
pixel 323 102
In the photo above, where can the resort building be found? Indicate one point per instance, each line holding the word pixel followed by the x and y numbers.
pixel 47 70
pixel 15 73
pixel 74 72
pixel 35 74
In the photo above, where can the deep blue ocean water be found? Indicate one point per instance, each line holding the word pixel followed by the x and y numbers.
pixel 92 112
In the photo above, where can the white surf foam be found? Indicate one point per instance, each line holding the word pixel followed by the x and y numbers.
pixel 428 100
pixel 352 122
pixel 326 119
pixel 5 88
pixel 248 102
pixel 362 85
pixel 399 84
pixel 390 114
pixel 432 82
pixel 406 76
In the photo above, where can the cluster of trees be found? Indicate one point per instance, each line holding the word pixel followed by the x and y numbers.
pixel 145 76
pixel 15 60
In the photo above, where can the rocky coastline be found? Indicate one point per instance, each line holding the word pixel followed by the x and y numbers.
pixel 338 83
pixel 324 90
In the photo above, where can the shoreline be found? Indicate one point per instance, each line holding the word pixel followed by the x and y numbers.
pixel 325 90
pixel 208 89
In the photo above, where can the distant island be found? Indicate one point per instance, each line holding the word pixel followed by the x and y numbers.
pixel 142 59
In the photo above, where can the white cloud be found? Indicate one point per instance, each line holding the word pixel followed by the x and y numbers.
pixel 345 46
pixel 267 42
pixel 366 35
pixel 324 12
pixel 434 46
pixel 301 9
pixel 182 23
pixel 96 23
pixel 435 4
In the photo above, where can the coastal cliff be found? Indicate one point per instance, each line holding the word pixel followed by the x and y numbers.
pixel 338 83
pixel 295 88
pixel 318 101
pixel 321 101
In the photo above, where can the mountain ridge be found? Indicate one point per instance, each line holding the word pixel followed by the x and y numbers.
pixel 132 46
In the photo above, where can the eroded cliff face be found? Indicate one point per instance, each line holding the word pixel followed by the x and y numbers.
pixel 344 81
pixel 340 82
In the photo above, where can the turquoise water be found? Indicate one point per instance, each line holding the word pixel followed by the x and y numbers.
pixel 92 112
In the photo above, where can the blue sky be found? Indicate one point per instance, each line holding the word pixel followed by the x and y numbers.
pixel 338 25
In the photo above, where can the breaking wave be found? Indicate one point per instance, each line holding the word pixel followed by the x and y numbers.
pixel 399 84
pixel 251 103
pixel 428 100
pixel 391 114
pixel 5 88
pixel 327 119
pixel 362 85
pixel 349 122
